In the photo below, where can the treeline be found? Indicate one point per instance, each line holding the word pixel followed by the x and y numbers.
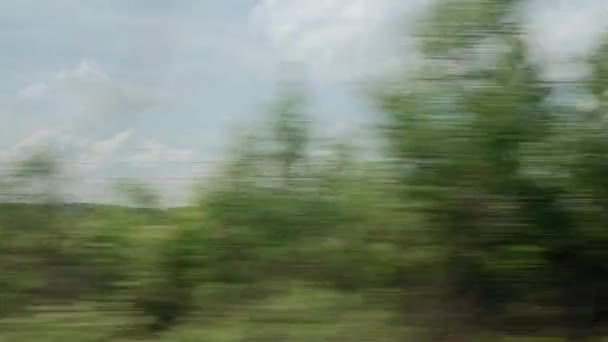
pixel 485 217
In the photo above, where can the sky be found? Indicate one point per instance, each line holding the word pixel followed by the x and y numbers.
pixel 156 89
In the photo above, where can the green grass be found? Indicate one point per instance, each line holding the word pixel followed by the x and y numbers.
pixel 299 314
pixel 294 313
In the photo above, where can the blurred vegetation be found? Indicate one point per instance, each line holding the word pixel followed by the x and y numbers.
pixel 484 220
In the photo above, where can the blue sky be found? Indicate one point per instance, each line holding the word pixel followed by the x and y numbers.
pixel 151 88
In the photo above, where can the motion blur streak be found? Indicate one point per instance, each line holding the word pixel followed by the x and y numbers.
pixel 479 212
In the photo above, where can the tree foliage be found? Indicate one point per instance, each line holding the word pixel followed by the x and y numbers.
pixel 484 216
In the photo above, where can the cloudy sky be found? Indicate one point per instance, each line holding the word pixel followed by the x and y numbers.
pixel 155 88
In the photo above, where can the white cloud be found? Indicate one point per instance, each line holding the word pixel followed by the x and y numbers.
pixel 566 29
pixel 33 91
pixel 87 70
pixel 37 139
pixel 85 99
pixel 102 163
pixel 353 39
pixel 344 39
pixel 103 150
pixel 562 34
pixel 27 145
pixel 155 152
pixel 43 138
pixel 90 167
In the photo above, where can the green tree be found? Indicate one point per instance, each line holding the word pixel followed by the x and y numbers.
pixel 138 194
pixel 494 172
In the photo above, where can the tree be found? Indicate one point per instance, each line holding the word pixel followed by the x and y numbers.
pixel 138 194
pixel 289 130
pixel 496 172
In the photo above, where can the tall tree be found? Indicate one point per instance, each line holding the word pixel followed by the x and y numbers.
pixel 492 169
